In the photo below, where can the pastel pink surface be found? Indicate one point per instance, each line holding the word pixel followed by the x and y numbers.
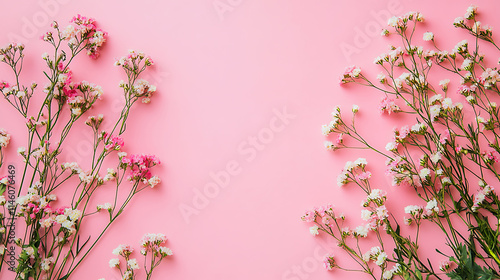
pixel 223 79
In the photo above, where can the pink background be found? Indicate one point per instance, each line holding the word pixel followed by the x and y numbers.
pixel 221 77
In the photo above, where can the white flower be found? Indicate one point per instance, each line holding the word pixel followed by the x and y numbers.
pixel 470 99
pixel 466 64
pixel 355 108
pixel 425 173
pixel 349 166
pixel 166 251
pixel 376 194
pixel 325 129
pixel 21 150
pixel 21 94
pixel 375 250
pixel 366 256
pixel 387 274
pixel 314 230
pixel 74 214
pixel 393 21
pixel 366 214
pixel 68 224
pixel 435 158
pixel 76 111
pixel 114 262
pixel 428 36
pixel 329 145
pixel 398 83
pixel 153 181
pixel 434 110
pixel 436 97
pixel 381 259
pixel 30 251
pixel 471 11
pixel 133 264
pixel 391 146
pixel 361 162
pixel 413 209
pixel 341 179
pixel 361 231
pixel 458 20
pixel 446 181
pixel 418 127
pixel 381 78
pixel 432 206
pixel 447 103
pixel 105 206
pixel 405 76
pixel 61 219
pixel 444 84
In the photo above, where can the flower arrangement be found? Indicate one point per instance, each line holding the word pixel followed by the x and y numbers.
pixel 52 244
pixel 448 157
pixel 152 251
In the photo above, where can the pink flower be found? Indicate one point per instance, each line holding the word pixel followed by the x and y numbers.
pixel 481 196
pixel 364 176
pixel 491 156
pixel 444 137
pixel 466 90
pixel 445 266
pixel 329 262
pixel 113 142
pixel 4 84
pixel 388 105
pixel 349 74
pixel 309 216
pixel 382 212
pixel 67 86
pixel 140 166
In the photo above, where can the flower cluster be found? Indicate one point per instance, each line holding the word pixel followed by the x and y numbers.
pixel 401 23
pixel 388 105
pixel 334 123
pixel 82 31
pixel 480 197
pixel 34 208
pixel 113 142
pixel 152 242
pixel 136 62
pixel 79 96
pixel 4 138
pixel 152 251
pixel 140 168
pixel 350 74
pixel 353 171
